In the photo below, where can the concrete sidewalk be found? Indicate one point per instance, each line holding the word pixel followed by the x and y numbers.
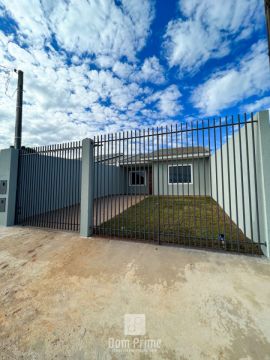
pixel 65 297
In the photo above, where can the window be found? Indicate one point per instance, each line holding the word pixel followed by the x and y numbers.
pixel 136 178
pixel 180 174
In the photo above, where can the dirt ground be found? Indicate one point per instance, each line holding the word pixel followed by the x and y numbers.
pixel 65 297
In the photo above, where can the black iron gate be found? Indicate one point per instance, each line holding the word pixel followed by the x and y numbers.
pixel 192 184
pixel 49 186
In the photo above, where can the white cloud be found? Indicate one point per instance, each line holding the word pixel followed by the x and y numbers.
pixel 259 105
pixel 227 88
pixel 206 29
pixel 167 101
pixel 67 100
pixel 151 71
pixel 95 27
pixel 29 15
pixel 123 70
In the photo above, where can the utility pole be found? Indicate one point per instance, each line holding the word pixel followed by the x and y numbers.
pixel 19 105
pixel 267 15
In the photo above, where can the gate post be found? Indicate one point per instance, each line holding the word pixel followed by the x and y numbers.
pixel 8 185
pixel 87 188
pixel 264 180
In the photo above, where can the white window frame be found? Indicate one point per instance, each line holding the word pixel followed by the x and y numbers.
pixel 180 183
pixel 134 171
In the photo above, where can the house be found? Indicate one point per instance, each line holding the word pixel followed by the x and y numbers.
pixel 174 171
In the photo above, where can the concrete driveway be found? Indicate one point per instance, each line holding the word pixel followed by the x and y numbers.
pixel 105 208
pixel 108 207
pixel 66 297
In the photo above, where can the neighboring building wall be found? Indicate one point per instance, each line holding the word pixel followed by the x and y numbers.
pixel 236 193
pixel 263 156
pixel 56 189
pixel 200 176
pixel 8 174
pixel 114 180
pixel 109 180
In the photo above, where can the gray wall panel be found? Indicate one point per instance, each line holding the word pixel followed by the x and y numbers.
pixel 49 183
pixel 200 176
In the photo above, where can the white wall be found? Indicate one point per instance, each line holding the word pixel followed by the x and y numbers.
pixel 236 193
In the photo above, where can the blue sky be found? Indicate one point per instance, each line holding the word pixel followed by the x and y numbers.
pixel 102 66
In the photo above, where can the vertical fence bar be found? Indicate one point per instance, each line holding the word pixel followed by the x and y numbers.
pixel 211 183
pixel 127 184
pixel 52 201
pixel 104 183
pixel 64 185
pixel 146 180
pixel 150 190
pixel 229 182
pixel 99 181
pixel 205 236
pixel 235 186
pixel 242 178
pixel 96 194
pixel 133 169
pixel 222 179
pixel 74 200
pixel 40 203
pixel 20 211
pixel 135 180
pixel 163 183
pixel 111 182
pixel 51 187
pixel 178 195
pixel 25 165
pixel 59 209
pixel 108 196
pixel 79 174
pixel 71 184
pixel 58 178
pixel 139 179
pixel 48 173
pixel 168 192
pixel 195 236
pixel 65 182
pixel 217 189
pixel 248 177
pixel 119 198
pixel 188 193
pixel 199 179
pixel 158 180
pixel 172 227
pixel 122 177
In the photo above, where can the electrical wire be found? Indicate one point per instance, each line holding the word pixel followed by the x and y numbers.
pixel 7 68
pixel 8 72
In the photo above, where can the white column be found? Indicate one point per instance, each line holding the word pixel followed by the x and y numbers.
pixel 87 188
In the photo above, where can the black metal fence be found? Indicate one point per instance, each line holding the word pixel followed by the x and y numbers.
pixel 192 184
pixel 49 186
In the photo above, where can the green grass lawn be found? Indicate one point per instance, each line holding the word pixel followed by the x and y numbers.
pixel 188 220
